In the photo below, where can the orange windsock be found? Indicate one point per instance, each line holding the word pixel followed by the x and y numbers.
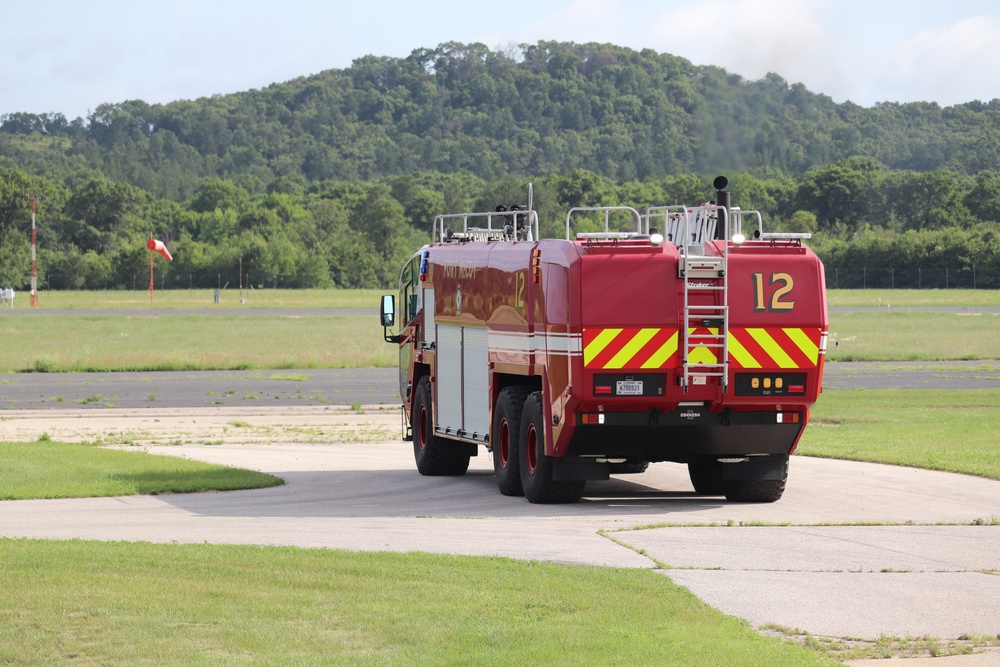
pixel 158 246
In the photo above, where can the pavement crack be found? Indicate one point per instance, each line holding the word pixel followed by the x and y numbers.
pixel 660 565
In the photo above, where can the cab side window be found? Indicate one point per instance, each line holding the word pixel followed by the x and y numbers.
pixel 409 291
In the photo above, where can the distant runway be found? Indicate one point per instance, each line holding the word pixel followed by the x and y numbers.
pixel 379 386
pixel 153 311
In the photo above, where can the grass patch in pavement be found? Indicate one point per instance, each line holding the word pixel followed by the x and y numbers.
pixel 144 604
pixel 949 430
pixel 47 469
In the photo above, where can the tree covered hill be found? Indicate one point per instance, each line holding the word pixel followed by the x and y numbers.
pixel 538 110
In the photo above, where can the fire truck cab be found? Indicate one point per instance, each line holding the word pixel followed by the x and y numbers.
pixel 692 336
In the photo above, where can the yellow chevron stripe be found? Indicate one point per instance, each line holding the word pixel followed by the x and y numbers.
pixel 702 355
pixel 631 348
pixel 598 344
pixel 740 354
pixel 661 356
pixel 804 343
pixel 771 347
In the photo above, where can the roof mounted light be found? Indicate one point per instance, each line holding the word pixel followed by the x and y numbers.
pixel 655 237
pixel 738 239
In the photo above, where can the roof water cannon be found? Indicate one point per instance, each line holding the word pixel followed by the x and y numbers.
pixel 722 198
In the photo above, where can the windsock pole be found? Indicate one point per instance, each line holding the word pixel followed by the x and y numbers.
pixel 156 246
pixel 34 244
pixel 150 246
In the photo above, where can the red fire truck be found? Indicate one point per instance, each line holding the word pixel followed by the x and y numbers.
pixel 692 336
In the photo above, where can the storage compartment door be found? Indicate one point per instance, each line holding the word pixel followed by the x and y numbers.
pixel 448 383
pixel 475 392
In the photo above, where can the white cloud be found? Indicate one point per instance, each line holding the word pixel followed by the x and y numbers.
pixel 952 65
pixel 113 50
pixel 752 37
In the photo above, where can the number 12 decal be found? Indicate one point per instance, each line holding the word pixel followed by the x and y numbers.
pixel 781 283
pixel 519 282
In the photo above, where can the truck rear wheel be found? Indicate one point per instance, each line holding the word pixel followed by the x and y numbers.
pixel 756 490
pixel 505 439
pixel 434 455
pixel 536 467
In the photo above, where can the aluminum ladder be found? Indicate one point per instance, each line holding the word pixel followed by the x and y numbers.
pixel 705 273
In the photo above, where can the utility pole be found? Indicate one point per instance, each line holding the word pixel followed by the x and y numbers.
pixel 34 245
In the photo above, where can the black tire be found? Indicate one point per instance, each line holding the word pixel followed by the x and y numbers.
pixel 756 490
pixel 505 438
pixel 434 455
pixel 536 467
pixel 706 478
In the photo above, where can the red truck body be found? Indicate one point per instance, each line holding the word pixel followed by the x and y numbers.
pixel 573 359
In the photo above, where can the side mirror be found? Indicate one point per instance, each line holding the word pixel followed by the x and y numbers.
pixel 388 310
pixel 388 317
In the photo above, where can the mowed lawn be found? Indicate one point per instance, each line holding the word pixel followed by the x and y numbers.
pixel 184 330
pixel 953 430
pixel 90 603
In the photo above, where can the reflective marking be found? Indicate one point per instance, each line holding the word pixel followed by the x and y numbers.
pixel 597 345
pixel 661 356
pixel 740 354
pixel 801 339
pixel 772 348
pixel 631 348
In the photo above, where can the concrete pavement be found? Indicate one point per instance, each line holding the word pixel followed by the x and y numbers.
pixel 924 569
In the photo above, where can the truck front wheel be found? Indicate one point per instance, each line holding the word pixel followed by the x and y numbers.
pixel 706 477
pixel 434 455
pixel 536 467
pixel 504 441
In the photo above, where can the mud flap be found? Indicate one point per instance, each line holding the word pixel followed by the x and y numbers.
pixel 573 469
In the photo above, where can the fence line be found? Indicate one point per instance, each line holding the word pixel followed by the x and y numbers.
pixel 916 277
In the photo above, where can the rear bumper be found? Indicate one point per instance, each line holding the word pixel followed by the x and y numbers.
pixel 688 433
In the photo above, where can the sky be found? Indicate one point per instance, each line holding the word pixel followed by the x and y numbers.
pixel 69 56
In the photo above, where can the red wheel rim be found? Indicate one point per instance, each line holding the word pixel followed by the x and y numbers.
pixel 422 427
pixel 531 449
pixel 504 443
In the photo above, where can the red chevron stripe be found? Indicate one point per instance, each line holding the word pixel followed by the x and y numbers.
pixel 791 349
pixel 752 348
pixel 650 348
pixel 783 341
pixel 613 348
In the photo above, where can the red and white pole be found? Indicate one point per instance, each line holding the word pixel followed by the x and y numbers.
pixel 156 246
pixel 150 246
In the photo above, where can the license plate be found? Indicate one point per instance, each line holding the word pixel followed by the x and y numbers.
pixel 629 388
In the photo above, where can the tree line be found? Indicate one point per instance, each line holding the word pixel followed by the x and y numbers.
pixel 530 111
pixel 295 233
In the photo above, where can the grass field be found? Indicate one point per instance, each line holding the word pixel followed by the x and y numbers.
pixel 939 430
pixel 192 342
pixel 257 299
pixel 263 299
pixel 79 603
pixel 911 336
pixel 149 337
pixel 886 298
